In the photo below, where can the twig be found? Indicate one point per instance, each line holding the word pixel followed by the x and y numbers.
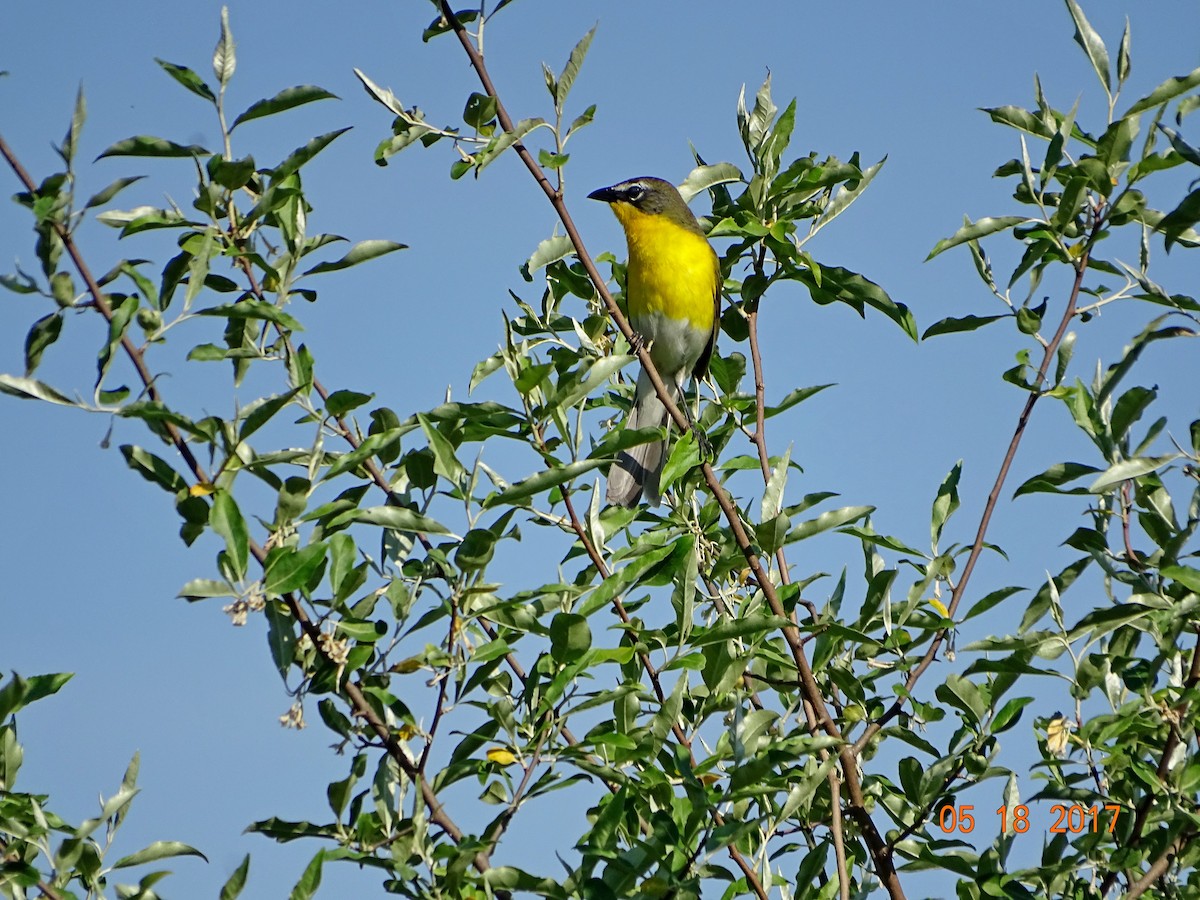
pixel 358 700
pixel 990 507
pixel 820 716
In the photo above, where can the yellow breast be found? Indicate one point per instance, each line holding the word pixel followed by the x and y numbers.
pixel 673 272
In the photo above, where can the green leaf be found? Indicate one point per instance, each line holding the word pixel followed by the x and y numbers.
pixel 1129 469
pixel 548 251
pixel 480 111
pixel 251 308
pixel 307 886
pixel 1168 90
pixel 441 25
pixel 144 145
pixel 20 692
pixel 542 481
pixel 42 334
pixel 32 389
pixel 233 887
pixel 972 231
pixel 224 60
pixel 835 283
pixel 153 468
pixel 102 197
pixel 1123 59
pixel 1009 714
pixel 702 178
pixel 503 141
pixel 993 599
pixel 359 253
pixel 1054 477
pixel 288 569
pixel 832 519
pixel 301 155
pixel 341 402
pixel 288 98
pixel 188 79
pixel 772 501
pixel 281 636
pixel 797 395
pixel 226 520
pixel 1185 575
pixel 71 140
pixel 563 86
pixel 156 851
pixel 476 550
pixel 570 637
pixel 946 502
pixel 1089 39
pixel 1021 119
pixel 952 325
pixel 205 588
pixel 397 518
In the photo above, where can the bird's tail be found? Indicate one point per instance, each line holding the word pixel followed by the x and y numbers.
pixel 637 470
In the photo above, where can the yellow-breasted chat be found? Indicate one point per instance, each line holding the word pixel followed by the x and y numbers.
pixel 673 294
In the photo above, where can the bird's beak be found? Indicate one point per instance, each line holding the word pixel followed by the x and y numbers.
pixel 605 195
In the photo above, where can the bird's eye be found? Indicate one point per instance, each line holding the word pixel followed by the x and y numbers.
pixel 636 193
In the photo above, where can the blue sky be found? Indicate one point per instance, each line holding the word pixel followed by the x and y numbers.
pixel 90 551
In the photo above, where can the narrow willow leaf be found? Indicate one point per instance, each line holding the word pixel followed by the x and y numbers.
pixel 232 888
pixel 302 155
pixel 144 145
pixel 1129 469
pixel 156 851
pixel 772 501
pixel 397 518
pixel 832 519
pixel 224 60
pixel 1093 45
pixel 153 468
pixel 42 334
pixel 551 250
pixel 1124 63
pixel 846 195
pixel 1168 90
pixel 952 325
pixel 506 139
pixel 188 79
pixel 1054 478
pixel 946 502
pixel 288 569
pixel 702 178
pixel 71 140
pixel 102 197
pixel 563 85
pixel 226 520
pixel 381 95
pixel 542 481
pixel 974 230
pixel 359 253
pixel 288 98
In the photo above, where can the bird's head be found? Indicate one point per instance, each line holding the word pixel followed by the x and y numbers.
pixel 647 196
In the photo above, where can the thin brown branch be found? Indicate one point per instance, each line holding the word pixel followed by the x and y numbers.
pixel 358 700
pixel 1159 867
pixel 100 300
pixel 989 508
pixel 1142 814
pixel 884 867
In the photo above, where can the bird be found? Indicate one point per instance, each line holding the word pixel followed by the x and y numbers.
pixel 673 294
